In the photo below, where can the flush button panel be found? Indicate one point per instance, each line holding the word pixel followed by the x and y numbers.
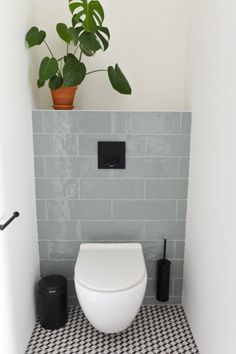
pixel 111 154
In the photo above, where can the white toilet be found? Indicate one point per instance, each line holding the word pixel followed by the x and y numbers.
pixel 110 281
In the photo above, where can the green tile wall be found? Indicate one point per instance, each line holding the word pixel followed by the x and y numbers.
pixel 77 203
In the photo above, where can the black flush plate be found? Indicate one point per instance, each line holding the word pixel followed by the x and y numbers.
pixel 111 154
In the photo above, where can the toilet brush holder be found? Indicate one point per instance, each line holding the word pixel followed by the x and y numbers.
pixel 163 277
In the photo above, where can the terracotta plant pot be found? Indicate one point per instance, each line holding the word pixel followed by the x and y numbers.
pixel 63 98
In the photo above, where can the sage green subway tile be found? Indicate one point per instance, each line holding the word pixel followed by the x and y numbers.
pixel 135 144
pixel 150 300
pixel 166 189
pixel 71 288
pixel 59 145
pixel 57 122
pixel 79 209
pixel 148 167
pixel 147 122
pixel 171 287
pixel 62 267
pixel 90 209
pixel 48 188
pixel 112 188
pixel 151 267
pixel 172 230
pixel 112 230
pixel 58 230
pixel 186 123
pixel 59 210
pixel 74 167
pixel 181 209
pixel 120 123
pixel 62 166
pixel 176 269
pixel 175 300
pixel 37 121
pixel 151 287
pixel 89 168
pixel 144 210
pixel 178 287
pixel 183 167
pixel 77 122
pixel 154 250
pixel 39 170
pixel 43 249
pixel 41 209
pixel 179 249
pixel 168 145
pixel 63 249
pixel 91 121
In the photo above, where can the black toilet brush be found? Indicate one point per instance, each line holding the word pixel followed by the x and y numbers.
pixel 163 277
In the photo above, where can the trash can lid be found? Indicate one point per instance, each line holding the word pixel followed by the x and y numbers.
pixel 53 283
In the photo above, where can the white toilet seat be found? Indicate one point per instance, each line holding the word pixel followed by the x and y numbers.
pixel 110 281
pixel 107 267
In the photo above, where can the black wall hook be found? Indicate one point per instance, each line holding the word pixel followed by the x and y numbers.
pixel 15 215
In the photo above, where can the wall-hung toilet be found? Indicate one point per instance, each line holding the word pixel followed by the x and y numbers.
pixel 110 281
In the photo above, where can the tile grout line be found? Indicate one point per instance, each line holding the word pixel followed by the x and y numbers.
pixel 101 134
pixel 115 220
pixel 114 178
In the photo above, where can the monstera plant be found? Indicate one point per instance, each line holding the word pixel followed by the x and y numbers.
pixel 83 38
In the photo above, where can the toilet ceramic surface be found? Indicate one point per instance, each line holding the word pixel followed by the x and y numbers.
pixel 110 282
pixel 110 267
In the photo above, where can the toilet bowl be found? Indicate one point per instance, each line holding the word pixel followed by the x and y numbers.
pixel 110 281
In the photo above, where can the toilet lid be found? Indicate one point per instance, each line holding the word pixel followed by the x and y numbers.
pixel 110 267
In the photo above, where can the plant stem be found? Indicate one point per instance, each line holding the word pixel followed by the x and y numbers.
pixel 49 49
pixel 76 49
pixel 80 56
pixel 95 71
pixel 67 49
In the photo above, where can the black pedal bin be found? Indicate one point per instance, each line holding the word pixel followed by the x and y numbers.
pixel 52 301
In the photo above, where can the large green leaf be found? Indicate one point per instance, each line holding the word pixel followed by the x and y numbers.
pixel 118 80
pixel 69 56
pixel 48 68
pixel 55 82
pixel 103 35
pixel 74 34
pixel 34 37
pixel 86 51
pixel 89 13
pixel 89 41
pixel 40 83
pixel 92 42
pixel 64 32
pixel 73 72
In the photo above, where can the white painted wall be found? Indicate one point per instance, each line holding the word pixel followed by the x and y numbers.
pixel 210 262
pixel 148 42
pixel 19 260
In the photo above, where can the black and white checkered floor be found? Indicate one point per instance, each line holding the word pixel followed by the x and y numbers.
pixel 161 330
